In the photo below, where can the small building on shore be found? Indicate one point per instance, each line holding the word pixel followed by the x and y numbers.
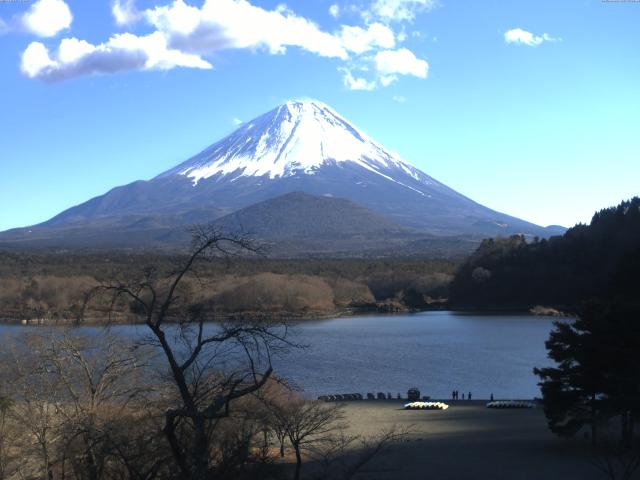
pixel 413 394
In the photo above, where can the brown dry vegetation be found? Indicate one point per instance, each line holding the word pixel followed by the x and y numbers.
pixel 272 292
pixel 92 408
pixel 53 286
pixel 39 296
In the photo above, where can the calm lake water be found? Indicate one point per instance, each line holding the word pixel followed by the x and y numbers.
pixel 434 351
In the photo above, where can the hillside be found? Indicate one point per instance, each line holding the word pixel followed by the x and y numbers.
pixel 302 215
pixel 298 222
pixel 600 260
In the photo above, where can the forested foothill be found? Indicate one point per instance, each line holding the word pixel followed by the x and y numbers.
pixel 52 286
pixel 596 261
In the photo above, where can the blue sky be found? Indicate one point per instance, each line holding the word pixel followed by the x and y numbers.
pixel 529 107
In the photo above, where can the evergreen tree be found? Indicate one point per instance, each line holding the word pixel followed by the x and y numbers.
pixel 601 260
pixel 597 376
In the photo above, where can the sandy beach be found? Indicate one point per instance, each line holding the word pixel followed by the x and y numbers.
pixel 469 441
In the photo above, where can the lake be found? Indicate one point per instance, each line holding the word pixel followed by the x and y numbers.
pixel 435 351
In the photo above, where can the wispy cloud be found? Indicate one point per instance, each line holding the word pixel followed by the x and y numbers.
pixel 399 10
pixel 125 12
pixel 387 66
pixel 356 83
pixel 359 40
pixel 239 24
pixel 519 36
pixel 4 27
pixel 402 62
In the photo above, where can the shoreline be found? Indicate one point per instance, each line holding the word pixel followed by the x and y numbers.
pixel 457 403
pixel 290 316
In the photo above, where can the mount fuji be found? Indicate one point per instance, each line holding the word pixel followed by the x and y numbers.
pixel 300 146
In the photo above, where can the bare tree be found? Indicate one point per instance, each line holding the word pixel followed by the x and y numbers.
pixel 35 395
pixel 210 366
pixel 7 439
pixel 138 444
pixel 66 392
pixel 99 377
pixel 317 430
pixel 309 426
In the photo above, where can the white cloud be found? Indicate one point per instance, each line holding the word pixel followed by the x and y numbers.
pixel 334 11
pixel 237 121
pixel 399 99
pixel 4 28
pixel 386 80
pixel 46 18
pixel 400 10
pixel 402 62
pixel 124 12
pixel 121 52
pixel 359 40
pixel 35 59
pixel 522 37
pixel 238 24
pixel 353 83
pixel 72 50
pixel 185 35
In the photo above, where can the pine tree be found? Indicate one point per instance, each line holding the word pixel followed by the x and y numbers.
pixel 597 376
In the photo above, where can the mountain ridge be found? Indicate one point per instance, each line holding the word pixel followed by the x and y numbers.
pixel 296 147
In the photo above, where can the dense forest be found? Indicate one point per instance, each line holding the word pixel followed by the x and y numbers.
pixel 600 260
pixel 596 261
pixel 53 286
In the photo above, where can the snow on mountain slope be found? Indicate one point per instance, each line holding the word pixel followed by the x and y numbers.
pixel 301 146
pixel 296 138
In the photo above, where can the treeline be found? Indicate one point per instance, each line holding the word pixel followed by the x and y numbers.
pixel 600 260
pixel 53 286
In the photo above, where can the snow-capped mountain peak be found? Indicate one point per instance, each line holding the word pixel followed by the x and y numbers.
pixel 298 137
pixel 297 155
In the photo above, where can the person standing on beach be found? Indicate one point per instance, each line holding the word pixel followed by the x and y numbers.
pixel 463 396
pixel 453 395
pixel 469 396
pixel 492 397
